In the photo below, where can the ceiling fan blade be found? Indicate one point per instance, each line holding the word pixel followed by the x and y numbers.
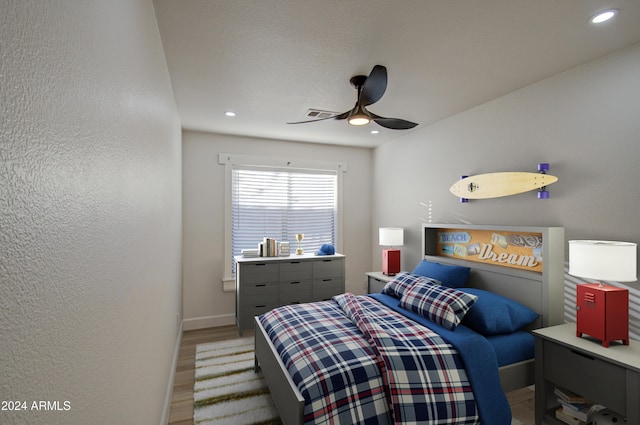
pixel 374 86
pixel 341 116
pixel 393 123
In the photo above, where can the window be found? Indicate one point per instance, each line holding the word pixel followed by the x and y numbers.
pixel 278 199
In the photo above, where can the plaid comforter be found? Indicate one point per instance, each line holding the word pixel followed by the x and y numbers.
pixel 355 361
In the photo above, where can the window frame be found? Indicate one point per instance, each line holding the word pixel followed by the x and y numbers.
pixel 233 160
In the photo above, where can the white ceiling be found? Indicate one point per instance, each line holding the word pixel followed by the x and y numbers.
pixel 272 60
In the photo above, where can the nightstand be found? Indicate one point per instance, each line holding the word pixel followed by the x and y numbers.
pixel 608 376
pixel 376 281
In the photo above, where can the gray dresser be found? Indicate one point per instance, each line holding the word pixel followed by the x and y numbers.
pixel 264 283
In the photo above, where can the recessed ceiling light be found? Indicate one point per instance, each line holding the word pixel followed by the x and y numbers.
pixel 230 114
pixel 603 16
pixel 375 131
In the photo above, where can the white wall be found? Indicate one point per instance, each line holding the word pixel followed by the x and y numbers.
pixel 205 304
pixel 90 212
pixel 584 122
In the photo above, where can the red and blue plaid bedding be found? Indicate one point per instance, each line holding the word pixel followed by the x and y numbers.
pixel 331 362
pixel 425 376
pixel 408 375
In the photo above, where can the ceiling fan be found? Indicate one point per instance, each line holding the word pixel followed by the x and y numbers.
pixel 370 90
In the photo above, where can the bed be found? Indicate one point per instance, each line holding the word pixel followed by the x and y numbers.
pixel 483 366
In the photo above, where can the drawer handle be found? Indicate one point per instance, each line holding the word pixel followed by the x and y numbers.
pixel 327 280
pixel 261 306
pixel 294 262
pixel 327 261
pixel 261 264
pixel 294 283
pixel 261 284
pixel 585 355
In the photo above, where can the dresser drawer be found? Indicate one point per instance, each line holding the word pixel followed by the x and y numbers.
pixel 324 289
pixel 250 312
pixel 270 297
pixel 258 272
pixel 586 375
pixel 295 291
pixel 330 267
pixel 295 270
pixel 259 289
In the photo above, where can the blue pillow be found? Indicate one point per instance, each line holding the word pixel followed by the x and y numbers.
pixel 493 314
pixel 399 284
pixel 451 276
pixel 442 305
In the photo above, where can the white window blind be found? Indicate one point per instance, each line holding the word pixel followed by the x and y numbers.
pixel 278 204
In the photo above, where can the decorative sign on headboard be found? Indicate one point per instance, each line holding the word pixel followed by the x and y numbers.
pixel 520 250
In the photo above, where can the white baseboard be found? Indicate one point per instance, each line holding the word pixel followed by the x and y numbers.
pixel 172 378
pixel 209 322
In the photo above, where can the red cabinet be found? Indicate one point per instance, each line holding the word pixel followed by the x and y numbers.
pixel 602 312
pixel 390 261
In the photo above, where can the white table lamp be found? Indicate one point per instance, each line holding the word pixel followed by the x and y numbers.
pixel 602 311
pixel 603 260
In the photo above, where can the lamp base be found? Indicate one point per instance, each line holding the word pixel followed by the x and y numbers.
pixel 602 311
pixel 390 262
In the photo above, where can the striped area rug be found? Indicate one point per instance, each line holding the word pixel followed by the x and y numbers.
pixel 227 389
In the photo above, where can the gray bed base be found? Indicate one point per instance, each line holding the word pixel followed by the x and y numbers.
pixel 540 292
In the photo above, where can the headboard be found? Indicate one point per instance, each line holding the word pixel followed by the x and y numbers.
pixel 535 280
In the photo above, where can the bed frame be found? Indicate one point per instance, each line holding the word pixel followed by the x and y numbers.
pixel 540 291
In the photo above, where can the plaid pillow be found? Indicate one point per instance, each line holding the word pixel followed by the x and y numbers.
pixel 440 304
pixel 402 281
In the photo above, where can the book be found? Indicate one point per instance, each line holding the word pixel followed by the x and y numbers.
pixel 570 397
pixel 269 247
pixel 284 249
pixel 583 412
pixel 250 253
pixel 563 417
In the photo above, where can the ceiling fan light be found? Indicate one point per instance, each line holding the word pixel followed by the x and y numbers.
pixel 359 119
pixel 358 116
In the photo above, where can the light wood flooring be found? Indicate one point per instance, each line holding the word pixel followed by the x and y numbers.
pixel 521 401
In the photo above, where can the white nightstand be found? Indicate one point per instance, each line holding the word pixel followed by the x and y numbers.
pixel 376 281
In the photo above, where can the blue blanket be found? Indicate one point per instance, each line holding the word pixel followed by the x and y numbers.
pixel 480 361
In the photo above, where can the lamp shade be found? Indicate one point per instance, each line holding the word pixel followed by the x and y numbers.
pixel 603 260
pixel 391 236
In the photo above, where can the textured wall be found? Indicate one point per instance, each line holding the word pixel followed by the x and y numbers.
pixel 90 212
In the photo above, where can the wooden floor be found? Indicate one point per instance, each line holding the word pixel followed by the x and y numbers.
pixel 521 401
pixel 181 412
